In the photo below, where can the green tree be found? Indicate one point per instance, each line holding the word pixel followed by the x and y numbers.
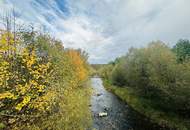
pixel 153 73
pixel 182 50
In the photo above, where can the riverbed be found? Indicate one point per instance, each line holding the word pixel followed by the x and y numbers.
pixel 119 115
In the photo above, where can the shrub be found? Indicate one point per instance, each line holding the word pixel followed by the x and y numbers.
pixel 41 83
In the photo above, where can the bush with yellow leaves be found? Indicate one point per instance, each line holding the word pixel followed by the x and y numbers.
pixel 24 80
pixel 78 66
pixel 42 84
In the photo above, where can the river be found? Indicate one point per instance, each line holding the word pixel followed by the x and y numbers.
pixel 120 115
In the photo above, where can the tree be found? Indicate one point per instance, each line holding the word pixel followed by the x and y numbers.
pixel 182 50
pixel 118 75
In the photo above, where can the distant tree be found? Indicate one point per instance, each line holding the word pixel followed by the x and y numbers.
pixel 118 75
pixel 182 50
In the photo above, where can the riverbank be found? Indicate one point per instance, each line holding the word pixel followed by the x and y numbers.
pixel 143 106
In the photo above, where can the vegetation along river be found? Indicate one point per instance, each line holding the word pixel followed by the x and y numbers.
pixel 119 115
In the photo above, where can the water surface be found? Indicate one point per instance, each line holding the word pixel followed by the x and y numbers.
pixel 120 115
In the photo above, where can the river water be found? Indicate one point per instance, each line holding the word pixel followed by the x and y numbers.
pixel 120 115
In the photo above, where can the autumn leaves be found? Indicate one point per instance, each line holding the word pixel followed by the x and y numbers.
pixel 34 84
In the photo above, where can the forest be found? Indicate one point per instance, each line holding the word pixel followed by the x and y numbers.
pixel 155 81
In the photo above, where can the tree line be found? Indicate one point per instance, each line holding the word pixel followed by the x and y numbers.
pixel 157 73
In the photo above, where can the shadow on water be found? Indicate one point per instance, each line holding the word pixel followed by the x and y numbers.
pixel 120 115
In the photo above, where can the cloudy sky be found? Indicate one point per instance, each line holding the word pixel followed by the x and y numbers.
pixel 106 28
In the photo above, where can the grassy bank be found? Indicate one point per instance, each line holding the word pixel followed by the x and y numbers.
pixel 74 110
pixel 143 106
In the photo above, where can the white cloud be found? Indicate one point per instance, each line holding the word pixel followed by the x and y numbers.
pixel 107 28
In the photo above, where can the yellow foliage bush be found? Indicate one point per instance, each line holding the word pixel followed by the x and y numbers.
pixel 23 79
pixel 78 66
pixel 37 89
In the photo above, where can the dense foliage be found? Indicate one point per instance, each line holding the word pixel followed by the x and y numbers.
pixel 42 85
pixel 155 73
pixel 182 50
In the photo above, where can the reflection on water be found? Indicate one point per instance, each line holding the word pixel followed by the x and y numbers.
pixel 120 115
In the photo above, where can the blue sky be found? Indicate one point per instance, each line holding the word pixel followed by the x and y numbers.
pixel 106 28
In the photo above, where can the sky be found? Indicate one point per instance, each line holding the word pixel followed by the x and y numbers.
pixel 106 29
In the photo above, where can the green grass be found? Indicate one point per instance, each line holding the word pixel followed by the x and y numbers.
pixel 143 106
pixel 75 113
